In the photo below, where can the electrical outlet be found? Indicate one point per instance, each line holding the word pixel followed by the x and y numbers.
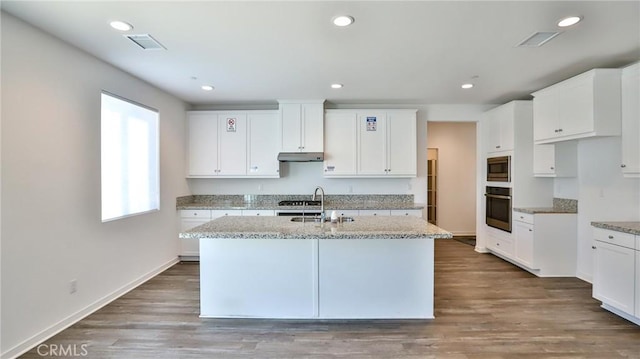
pixel 73 286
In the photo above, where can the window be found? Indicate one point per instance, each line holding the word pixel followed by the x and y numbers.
pixel 129 158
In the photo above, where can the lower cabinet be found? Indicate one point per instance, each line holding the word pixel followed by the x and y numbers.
pixel 374 212
pixel 544 244
pixel 615 276
pixel 189 247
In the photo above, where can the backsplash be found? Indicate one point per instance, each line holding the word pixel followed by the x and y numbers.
pixel 566 205
pixel 237 200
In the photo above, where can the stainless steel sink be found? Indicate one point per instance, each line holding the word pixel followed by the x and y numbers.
pixel 318 219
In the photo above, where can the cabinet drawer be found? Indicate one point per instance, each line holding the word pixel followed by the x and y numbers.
pixel 618 238
pixel 523 217
pixel 195 213
pixel 375 212
pixel 407 212
pixel 217 213
pixel 257 212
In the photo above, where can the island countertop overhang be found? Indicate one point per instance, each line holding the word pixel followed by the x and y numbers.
pixel 283 228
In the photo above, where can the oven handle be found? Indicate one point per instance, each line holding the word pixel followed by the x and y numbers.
pixel 497 196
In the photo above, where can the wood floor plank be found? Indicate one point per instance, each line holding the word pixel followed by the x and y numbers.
pixel 485 308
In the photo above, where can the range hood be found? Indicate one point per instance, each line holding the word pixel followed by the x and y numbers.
pixel 300 156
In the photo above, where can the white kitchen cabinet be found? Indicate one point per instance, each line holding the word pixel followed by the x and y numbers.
pixel 631 120
pixel 217 213
pixel 524 243
pixel 500 242
pixel 374 212
pixel 542 243
pixel 263 144
pixel 407 212
pixel 637 309
pixel 387 143
pixel 301 126
pixel 555 159
pixel 343 212
pixel 583 106
pixel 500 129
pixel 340 143
pixel 614 269
pixel 258 212
pixel 217 144
pixel 189 247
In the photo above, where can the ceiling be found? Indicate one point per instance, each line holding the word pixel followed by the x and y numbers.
pixel 396 52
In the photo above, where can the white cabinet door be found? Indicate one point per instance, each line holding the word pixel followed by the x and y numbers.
pixel 544 160
pixel 232 144
pixel 302 127
pixel 258 212
pixel 264 145
pixel 203 144
pixel 372 143
pixel 375 212
pixel 401 144
pixel 312 127
pixel 340 144
pixel 407 212
pixel 614 276
pixel 555 160
pixel 631 121
pixel 524 243
pixel 575 108
pixel 545 115
pixel 500 129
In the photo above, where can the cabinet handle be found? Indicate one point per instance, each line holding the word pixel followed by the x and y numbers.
pixel 552 168
pixel 530 230
pixel 593 247
pixel 498 244
pixel 560 130
pixel 623 165
pixel 498 146
pixel 521 217
pixel 257 214
pixel 610 237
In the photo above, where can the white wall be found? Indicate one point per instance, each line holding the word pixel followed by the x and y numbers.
pixel 602 192
pixel 456 175
pixel 51 228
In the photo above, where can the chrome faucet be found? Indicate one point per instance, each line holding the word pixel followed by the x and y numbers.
pixel 322 214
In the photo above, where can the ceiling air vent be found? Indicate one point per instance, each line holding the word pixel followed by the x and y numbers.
pixel 146 42
pixel 537 39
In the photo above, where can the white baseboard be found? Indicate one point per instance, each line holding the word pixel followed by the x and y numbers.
pixel 482 249
pixel 65 323
pixel 585 277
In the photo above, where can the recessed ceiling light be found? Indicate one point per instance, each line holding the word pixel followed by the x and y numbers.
pixel 568 21
pixel 207 87
pixel 120 25
pixel 467 86
pixel 336 86
pixel 343 20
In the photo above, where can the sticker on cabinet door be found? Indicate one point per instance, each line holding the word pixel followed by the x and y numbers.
pixel 372 123
pixel 231 124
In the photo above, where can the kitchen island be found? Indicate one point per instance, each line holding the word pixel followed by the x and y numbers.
pixel 271 267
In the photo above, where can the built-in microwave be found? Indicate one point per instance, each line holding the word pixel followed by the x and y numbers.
pixel 499 169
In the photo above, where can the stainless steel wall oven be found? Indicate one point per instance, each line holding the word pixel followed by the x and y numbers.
pixel 498 210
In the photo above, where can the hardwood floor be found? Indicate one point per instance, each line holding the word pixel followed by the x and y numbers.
pixel 484 307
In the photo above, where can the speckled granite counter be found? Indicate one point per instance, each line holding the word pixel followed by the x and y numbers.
pixel 626 227
pixel 283 228
pixel 560 205
pixel 270 202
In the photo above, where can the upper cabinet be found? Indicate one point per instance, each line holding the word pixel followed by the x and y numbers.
pixel 370 143
pixel 217 144
pixel 500 131
pixel 583 106
pixel 301 126
pixel 631 120
pixel 263 144
pixel 233 144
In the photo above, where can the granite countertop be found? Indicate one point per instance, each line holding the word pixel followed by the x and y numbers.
pixel 542 210
pixel 560 205
pixel 626 227
pixel 283 228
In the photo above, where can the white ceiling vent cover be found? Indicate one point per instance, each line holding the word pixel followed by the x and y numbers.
pixel 146 42
pixel 537 39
